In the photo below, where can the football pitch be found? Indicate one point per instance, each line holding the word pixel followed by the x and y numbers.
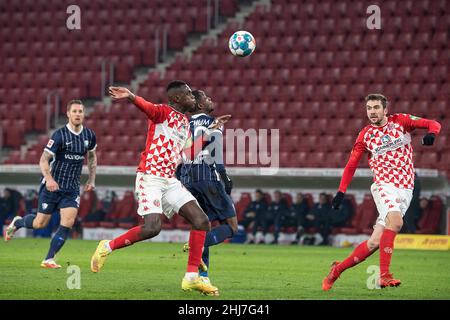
pixel 154 271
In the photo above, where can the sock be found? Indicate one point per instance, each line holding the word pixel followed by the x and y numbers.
pixel 58 241
pixel 26 222
pixel 386 249
pixel 205 258
pixel 191 275
pixel 358 255
pixel 218 235
pixel 131 236
pixel 196 242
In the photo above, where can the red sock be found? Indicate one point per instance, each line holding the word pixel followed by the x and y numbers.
pixel 386 249
pixel 358 255
pixel 131 236
pixel 196 242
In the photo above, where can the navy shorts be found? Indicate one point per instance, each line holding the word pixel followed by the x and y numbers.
pixel 51 201
pixel 213 199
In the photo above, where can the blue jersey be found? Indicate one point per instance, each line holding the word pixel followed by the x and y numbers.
pixel 208 163
pixel 68 149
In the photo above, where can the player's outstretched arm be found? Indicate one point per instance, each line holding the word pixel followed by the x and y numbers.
pixel 92 168
pixel 50 183
pixel 349 170
pixel 412 122
pixel 152 111
pixel 118 93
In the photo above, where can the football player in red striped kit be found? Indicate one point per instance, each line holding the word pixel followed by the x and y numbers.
pixel 157 190
pixel 387 139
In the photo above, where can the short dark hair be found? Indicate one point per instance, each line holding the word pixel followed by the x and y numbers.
pixel 259 191
pixel 71 102
pixel 377 96
pixel 175 85
pixel 197 94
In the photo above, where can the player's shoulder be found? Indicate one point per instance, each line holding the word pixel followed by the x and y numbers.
pixel 89 130
pixel 365 130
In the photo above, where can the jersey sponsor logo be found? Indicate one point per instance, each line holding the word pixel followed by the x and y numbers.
pixel 73 157
pixel 200 122
pixel 50 143
pixel 389 145
pixel 386 138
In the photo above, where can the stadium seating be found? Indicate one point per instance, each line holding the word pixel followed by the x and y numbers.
pixel 41 55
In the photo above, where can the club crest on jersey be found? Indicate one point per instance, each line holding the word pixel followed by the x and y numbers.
pixel 391 126
pixel 386 139
pixel 86 143
pixel 157 203
pixel 50 143
pixel 44 206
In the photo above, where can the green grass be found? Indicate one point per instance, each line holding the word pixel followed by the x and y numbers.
pixel 155 270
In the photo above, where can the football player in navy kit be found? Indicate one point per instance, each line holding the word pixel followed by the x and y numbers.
pixel 61 164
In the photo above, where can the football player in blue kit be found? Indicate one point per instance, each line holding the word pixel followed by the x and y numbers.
pixel 207 179
pixel 61 164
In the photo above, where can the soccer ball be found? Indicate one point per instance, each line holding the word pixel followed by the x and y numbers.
pixel 242 44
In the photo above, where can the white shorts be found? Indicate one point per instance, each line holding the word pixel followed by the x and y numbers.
pixel 160 195
pixel 389 198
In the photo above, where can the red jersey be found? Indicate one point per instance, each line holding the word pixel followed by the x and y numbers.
pixel 167 135
pixel 390 151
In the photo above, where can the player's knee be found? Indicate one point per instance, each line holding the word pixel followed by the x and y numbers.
pixel 39 224
pixel 373 244
pixel 68 222
pixel 201 223
pixel 150 231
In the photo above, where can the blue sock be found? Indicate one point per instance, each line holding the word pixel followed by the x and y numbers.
pixel 26 222
pixel 205 258
pixel 218 235
pixel 58 241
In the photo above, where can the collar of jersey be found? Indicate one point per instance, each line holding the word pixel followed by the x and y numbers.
pixel 76 133
pixel 198 115
pixel 382 125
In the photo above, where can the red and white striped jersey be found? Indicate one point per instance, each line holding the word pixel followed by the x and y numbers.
pixel 390 151
pixel 167 135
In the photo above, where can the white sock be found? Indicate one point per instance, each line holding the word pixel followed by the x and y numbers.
pixel 191 275
pixel 107 246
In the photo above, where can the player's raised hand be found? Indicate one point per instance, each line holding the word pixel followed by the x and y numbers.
pixel 337 200
pixel 51 185
pixel 118 93
pixel 220 121
pixel 428 140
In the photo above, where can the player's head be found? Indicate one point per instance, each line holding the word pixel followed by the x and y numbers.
pixel 376 106
pixel 323 198
pixel 277 195
pixel 180 96
pixel 259 195
pixel 75 112
pixel 299 197
pixel 203 103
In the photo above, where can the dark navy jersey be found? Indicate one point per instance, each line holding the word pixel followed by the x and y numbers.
pixel 69 150
pixel 208 163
